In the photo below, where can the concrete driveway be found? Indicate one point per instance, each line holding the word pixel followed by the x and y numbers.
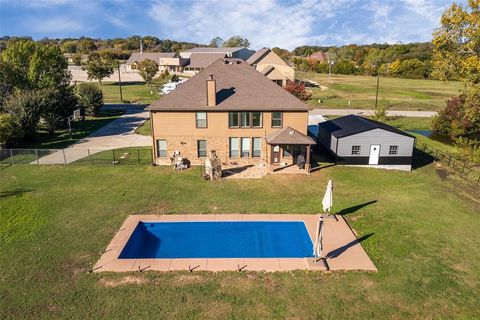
pixel 117 134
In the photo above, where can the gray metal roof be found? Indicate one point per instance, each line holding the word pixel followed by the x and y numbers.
pixel 353 124
pixel 203 60
pixel 214 50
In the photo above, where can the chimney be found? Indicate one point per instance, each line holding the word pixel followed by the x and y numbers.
pixel 211 91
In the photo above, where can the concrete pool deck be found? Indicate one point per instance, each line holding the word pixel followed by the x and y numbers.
pixel 342 249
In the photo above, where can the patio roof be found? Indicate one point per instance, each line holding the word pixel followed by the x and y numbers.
pixel 289 135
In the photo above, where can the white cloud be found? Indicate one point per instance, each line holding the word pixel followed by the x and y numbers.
pixel 264 23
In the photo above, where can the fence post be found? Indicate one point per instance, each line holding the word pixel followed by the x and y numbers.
pixel 64 157
pixel 11 157
pixel 36 156
pixel 138 155
pixel 113 156
pixel 89 159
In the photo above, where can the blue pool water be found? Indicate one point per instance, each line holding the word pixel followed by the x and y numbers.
pixel 255 239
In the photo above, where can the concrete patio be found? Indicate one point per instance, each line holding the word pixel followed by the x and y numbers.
pixel 342 249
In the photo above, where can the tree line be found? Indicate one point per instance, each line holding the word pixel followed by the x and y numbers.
pixel 35 91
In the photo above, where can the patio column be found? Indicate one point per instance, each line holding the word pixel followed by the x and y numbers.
pixel 307 164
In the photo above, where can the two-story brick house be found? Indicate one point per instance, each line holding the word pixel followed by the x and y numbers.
pixel 233 109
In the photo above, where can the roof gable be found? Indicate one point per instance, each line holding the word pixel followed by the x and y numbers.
pixel 239 87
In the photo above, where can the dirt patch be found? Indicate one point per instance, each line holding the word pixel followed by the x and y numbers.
pixel 159 208
pixel 238 284
pixel 187 279
pixel 270 284
pixel 112 283
pixel 216 310
pixel 442 173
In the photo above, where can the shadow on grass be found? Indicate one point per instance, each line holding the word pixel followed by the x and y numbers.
pixel 337 252
pixel 421 159
pixel 232 171
pixel 355 208
pixel 14 192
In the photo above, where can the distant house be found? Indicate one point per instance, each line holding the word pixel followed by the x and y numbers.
pixel 231 108
pixel 199 61
pixel 165 61
pixel 319 56
pixel 75 58
pixel 235 52
pixel 354 140
pixel 272 66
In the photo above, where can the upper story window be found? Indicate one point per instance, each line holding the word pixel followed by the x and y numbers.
pixel 245 119
pixel 393 150
pixel 201 119
pixel 277 119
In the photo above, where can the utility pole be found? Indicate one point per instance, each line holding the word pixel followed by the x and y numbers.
pixel 119 82
pixel 376 96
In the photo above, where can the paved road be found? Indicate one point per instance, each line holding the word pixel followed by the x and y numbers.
pixel 117 134
pixel 81 75
pixel 365 112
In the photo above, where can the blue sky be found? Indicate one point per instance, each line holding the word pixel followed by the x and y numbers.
pixel 269 23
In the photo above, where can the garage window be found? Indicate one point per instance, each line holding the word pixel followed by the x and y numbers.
pixel 356 150
pixel 393 150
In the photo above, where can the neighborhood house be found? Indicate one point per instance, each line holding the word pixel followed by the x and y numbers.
pixel 354 140
pixel 272 66
pixel 231 108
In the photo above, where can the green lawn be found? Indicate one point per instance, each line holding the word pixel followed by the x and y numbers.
pixel 55 222
pixel 396 93
pixel 145 129
pixel 132 93
pixel 61 138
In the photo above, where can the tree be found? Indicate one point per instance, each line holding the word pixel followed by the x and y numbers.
pixel 236 41
pixel 282 53
pixel 57 105
pixel 9 129
pixel 90 98
pixel 457 56
pixel 26 108
pixel 148 69
pixel 69 46
pixel 298 90
pixel 216 42
pixel 86 46
pixel 98 67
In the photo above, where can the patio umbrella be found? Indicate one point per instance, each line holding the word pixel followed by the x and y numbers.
pixel 327 201
pixel 317 250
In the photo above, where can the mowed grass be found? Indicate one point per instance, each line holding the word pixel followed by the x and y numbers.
pixel 144 129
pixel 61 138
pixel 134 92
pixel 56 221
pixel 395 93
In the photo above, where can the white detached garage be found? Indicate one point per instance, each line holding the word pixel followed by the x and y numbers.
pixel 354 140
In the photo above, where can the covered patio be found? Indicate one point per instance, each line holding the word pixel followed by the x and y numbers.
pixel 287 147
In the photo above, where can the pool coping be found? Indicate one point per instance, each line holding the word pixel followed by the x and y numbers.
pixel 338 238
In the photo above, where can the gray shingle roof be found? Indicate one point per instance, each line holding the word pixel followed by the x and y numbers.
pixel 154 56
pixel 239 87
pixel 203 60
pixel 257 56
pixel 289 135
pixel 353 124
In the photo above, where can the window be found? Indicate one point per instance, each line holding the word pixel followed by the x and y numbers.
pixel 393 150
pixel 201 119
pixel 276 119
pixel 245 116
pixel 161 148
pixel 201 148
pixel 233 120
pixel 355 150
pixel 234 148
pixel 257 119
pixel 245 147
pixel 257 147
pixel 245 119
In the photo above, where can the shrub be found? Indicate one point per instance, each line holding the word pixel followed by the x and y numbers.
pixel 9 129
pixel 90 97
pixel 26 108
pixel 57 105
pixel 298 90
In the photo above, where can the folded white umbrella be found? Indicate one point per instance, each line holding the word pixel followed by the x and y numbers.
pixel 327 201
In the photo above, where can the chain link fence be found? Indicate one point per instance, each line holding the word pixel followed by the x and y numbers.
pixel 72 156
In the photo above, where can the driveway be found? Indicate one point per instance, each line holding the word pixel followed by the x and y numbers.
pixel 365 112
pixel 117 134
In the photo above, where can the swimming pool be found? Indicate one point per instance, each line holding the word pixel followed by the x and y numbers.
pixel 220 239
